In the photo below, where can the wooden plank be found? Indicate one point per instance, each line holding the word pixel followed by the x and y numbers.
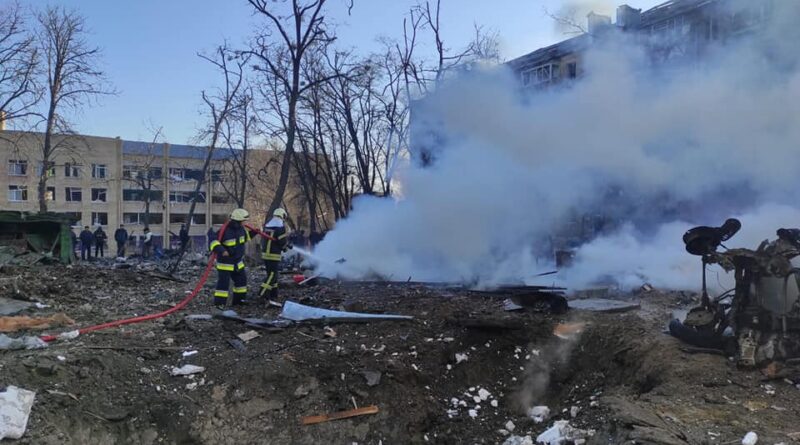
pixel 312 420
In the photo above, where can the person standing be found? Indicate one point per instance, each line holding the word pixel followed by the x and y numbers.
pixel 87 239
pixel 100 239
pixel 147 244
pixel 272 251
pixel 230 250
pixel 183 237
pixel 121 237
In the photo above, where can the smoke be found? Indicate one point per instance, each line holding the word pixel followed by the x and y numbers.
pixel 655 151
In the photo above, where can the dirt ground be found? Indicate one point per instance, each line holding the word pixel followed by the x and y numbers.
pixel 628 381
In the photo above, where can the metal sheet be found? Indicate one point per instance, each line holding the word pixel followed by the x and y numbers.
pixel 298 312
pixel 603 305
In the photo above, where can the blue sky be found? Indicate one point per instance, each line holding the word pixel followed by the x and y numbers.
pixel 150 48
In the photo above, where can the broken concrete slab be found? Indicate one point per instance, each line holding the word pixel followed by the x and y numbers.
pixel 603 305
pixel 15 408
pixel 11 307
pixel 298 312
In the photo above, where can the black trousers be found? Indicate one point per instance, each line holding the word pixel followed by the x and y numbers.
pixel 120 249
pixel 224 277
pixel 98 250
pixel 86 251
pixel 270 287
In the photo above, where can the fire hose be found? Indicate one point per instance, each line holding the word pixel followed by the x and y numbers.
pixel 198 287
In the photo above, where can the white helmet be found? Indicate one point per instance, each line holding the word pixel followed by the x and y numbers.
pixel 280 213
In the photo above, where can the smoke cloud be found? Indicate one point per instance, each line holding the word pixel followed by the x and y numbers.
pixel 655 150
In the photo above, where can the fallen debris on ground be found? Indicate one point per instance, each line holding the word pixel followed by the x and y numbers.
pixel 312 420
pixel 15 408
pixel 14 324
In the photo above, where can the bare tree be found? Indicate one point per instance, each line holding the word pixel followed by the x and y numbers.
pixel 219 106
pixel 73 79
pixel 281 49
pixel 18 64
pixel 147 173
pixel 238 132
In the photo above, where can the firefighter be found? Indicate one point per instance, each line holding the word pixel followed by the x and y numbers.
pixel 272 249
pixel 230 250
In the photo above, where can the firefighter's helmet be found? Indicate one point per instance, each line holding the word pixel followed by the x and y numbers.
pixel 280 213
pixel 240 215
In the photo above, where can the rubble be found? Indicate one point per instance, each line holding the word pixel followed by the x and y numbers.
pixel 562 433
pixel 10 344
pixel 11 307
pixel 15 408
pixel 750 438
pixel 539 413
pixel 187 370
pixel 298 312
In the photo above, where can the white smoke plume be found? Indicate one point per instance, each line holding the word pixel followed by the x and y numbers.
pixel 658 149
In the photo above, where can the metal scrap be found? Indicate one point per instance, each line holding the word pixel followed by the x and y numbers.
pixel 298 312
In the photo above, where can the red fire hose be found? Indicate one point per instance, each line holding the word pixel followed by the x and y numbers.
pixel 198 287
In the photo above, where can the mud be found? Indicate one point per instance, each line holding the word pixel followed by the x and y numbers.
pixel 627 379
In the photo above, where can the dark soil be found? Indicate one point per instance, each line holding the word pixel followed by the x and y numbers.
pixel 628 379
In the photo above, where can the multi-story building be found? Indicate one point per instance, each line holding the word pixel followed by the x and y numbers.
pixel 672 32
pixel 111 182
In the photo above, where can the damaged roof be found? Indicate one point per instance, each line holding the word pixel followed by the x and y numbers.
pixel 175 150
pixel 671 9
pixel 569 46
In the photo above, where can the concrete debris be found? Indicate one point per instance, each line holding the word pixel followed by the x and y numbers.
pixel 603 305
pixel 562 433
pixel 483 394
pixel 750 438
pixel 573 412
pixel 247 336
pixel 461 357
pixel 11 307
pixel 298 312
pixel 69 335
pixel 13 324
pixel 187 370
pixel 15 408
pixel 518 440
pixel 539 413
pixel 12 344
pixel 510 426
pixel 373 378
pixel 199 317
pixel 188 353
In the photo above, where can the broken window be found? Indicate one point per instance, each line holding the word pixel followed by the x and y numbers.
pixel 99 171
pixel 17 193
pixel 572 70
pixel 182 218
pixel 50 194
pixel 178 196
pixel 221 199
pixel 216 175
pixel 72 170
pixel 177 174
pixel 100 218
pixel 17 167
pixel 74 194
pixel 98 195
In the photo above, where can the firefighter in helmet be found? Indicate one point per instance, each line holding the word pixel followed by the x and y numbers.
pixel 230 249
pixel 272 251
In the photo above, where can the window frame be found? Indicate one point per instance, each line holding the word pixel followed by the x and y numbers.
pixel 17 163
pixel 97 168
pixel 69 194
pixel 21 189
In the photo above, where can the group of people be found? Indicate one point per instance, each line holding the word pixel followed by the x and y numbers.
pixel 99 238
pixel 229 247
pixel 88 239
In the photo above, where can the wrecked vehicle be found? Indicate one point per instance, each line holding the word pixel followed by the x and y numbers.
pixel 757 321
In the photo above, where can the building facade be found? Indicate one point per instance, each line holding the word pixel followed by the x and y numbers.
pixel 98 181
pixel 676 31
